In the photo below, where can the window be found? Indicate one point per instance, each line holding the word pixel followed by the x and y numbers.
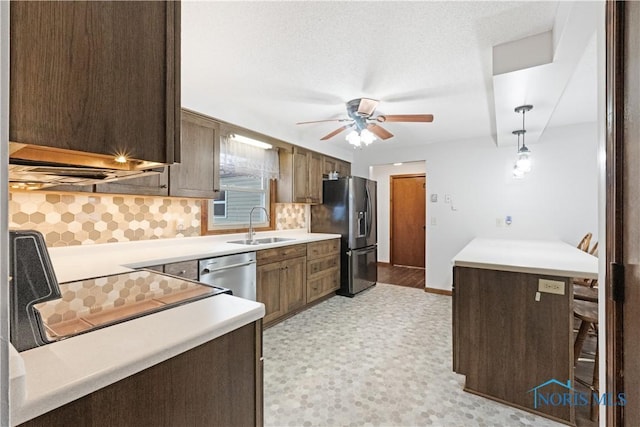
pixel 245 174
pixel 238 195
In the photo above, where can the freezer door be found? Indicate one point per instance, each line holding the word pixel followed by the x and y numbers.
pixel 363 269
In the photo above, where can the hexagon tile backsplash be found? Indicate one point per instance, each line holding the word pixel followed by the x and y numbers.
pixel 67 219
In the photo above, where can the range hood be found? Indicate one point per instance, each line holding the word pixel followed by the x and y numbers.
pixel 34 167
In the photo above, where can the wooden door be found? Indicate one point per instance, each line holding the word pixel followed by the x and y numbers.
pixel 293 277
pixel 197 174
pixel 408 220
pixel 269 292
pixel 623 210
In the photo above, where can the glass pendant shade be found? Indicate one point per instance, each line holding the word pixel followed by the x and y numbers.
pixel 524 159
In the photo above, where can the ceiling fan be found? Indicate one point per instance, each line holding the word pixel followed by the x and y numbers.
pixel 360 112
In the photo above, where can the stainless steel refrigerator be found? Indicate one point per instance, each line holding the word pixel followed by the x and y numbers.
pixel 349 208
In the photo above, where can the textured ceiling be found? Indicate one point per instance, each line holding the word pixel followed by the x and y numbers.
pixel 268 65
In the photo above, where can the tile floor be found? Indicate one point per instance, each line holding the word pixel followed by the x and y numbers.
pixel 380 359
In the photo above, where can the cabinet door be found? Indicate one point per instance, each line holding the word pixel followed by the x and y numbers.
pixel 197 173
pixel 269 292
pixel 343 168
pixel 329 165
pixel 152 185
pixel 300 175
pixel 98 77
pixel 294 281
pixel 315 177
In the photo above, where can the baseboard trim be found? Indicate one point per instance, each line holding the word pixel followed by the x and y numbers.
pixel 438 291
pixel 385 264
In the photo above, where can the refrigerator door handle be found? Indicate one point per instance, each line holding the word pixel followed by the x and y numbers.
pixel 368 213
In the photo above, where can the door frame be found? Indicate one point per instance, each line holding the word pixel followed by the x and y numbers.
pixel 391 210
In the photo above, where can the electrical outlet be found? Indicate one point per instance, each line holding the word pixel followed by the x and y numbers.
pixel 447 198
pixel 180 224
pixel 551 286
pixel 434 221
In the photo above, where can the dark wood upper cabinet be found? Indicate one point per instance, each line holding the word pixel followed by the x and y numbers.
pixel 98 77
pixel 300 176
pixel 197 174
pixel 330 164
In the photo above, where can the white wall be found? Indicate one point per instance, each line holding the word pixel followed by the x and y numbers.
pixel 381 174
pixel 557 200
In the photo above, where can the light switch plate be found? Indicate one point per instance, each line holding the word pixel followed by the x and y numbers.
pixel 551 286
pixel 434 198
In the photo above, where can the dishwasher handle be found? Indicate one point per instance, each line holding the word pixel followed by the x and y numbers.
pixel 207 270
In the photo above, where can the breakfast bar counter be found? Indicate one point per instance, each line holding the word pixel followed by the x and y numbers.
pixel 513 319
pixel 218 338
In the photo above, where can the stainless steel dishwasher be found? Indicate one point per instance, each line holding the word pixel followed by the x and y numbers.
pixel 235 272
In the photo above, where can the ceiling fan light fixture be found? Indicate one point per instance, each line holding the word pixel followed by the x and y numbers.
pixel 367 137
pixel 353 138
pixel 363 137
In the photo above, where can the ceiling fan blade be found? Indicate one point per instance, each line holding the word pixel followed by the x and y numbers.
pixel 427 118
pixel 379 131
pixel 367 106
pixel 335 132
pixel 320 121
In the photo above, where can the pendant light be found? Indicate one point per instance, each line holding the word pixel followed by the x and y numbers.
pixel 518 172
pixel 523 162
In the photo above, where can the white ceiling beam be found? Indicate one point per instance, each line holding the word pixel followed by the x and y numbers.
pixel 524 74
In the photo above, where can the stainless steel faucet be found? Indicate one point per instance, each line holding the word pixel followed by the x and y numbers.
pixel 251 232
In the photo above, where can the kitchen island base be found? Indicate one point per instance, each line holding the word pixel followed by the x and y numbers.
pixel 218 383
pixel 511 341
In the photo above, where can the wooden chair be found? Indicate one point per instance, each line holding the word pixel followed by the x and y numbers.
pixel 586 289
pixel 587 312
pixel 585 242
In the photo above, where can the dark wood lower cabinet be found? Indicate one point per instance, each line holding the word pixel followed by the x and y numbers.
pixel 507 341
pixel 216 384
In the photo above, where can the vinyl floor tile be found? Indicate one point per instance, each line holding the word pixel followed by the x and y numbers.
pixel 382 358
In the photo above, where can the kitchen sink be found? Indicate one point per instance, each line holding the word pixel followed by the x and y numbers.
pixel 262 241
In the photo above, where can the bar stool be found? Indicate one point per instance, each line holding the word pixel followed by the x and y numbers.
pixel 587 289
pixel 585 242
pixel 587 312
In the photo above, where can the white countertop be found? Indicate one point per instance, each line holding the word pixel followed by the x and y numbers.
pixel 44 378
pixel 550 257
pixel 86 261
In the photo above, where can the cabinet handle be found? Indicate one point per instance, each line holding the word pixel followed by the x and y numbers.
pixel 182 272
pixel 163 186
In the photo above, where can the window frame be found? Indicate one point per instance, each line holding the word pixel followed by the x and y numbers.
pixel 204 216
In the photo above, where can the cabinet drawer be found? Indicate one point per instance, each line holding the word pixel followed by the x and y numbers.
pixel 323 248
pixel 323 285
pixel 186 269
pixel 318 266
pixel 158 268
pixel 267 256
